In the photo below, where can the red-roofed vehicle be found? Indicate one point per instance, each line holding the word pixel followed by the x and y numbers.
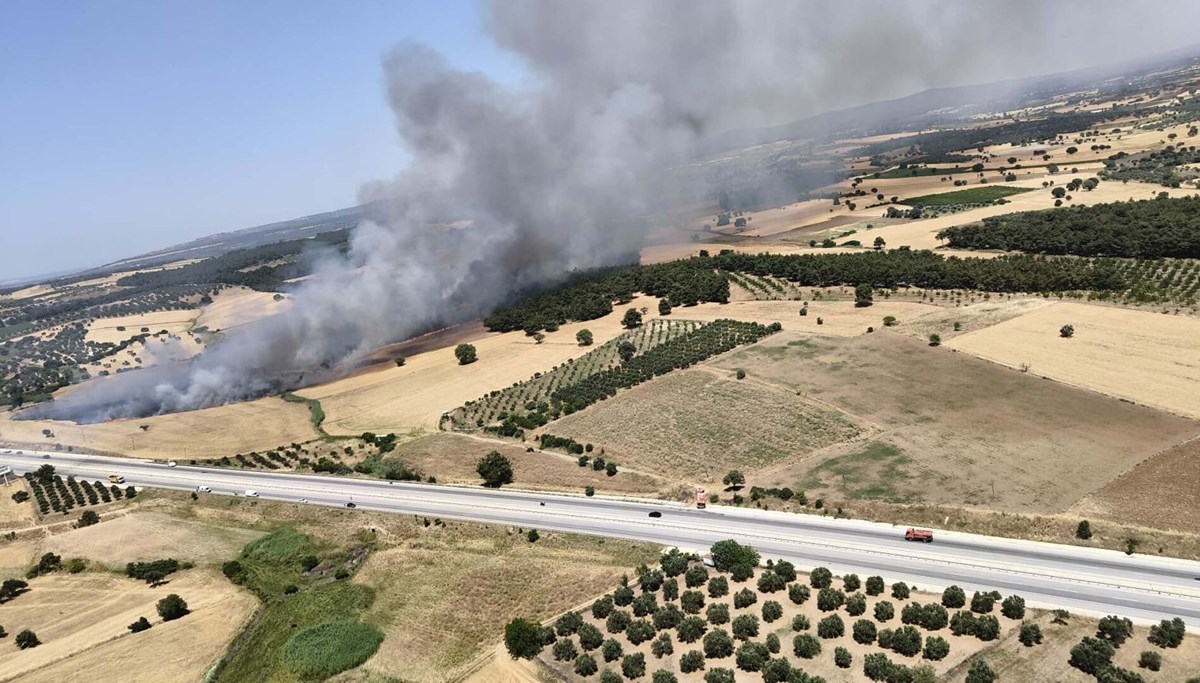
pixel 924 535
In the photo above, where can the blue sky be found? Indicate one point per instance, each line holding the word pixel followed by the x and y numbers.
pixel 127 126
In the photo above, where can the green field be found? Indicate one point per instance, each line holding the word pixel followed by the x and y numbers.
pixel 976 195
pixel 876 472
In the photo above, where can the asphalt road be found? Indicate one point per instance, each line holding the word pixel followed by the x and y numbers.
pixel 1085 580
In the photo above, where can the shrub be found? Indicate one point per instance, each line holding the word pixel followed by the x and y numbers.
pixel 1084 531
pixel 1114 629
pixel 692 601
pixel 495 470
pixel 1013 607
pixel 798 593
pixel 634 665
pixel 718 586
pixel 800 623
pixel 585 665
pixel 639 631
pixel 691 629
pixel 88 518
pixel 831 627
pixel 610 677
pixel 770 582
pixel 864 631
pixel 623 596
pixel 829 599
pixel 900 590
pixel 172 607
pixel 695 576
pixel 611 650
pixel 718 644
pixel 617 622
pixel 884 611
pixel 1030 635
pixel 662 646
pixel 936 648
pixel 842 657
pixel 568 623
pixel 851 583
pixel 773 643
pixel 1092 655
pixel 980 672
pixel 911 613
pixel 669 616
pixel 602 607
pixel 934 617
pixel 751 656
pixel 140 625
pixel 777 670
pixel 905 640
pixel 877 667
pixel 521 639
pixel 772 611
pixel 644 604
pixel 1168 633
pixel 465 353
pixel 663 676
pixel 744 598
pixel 27 639
pixel 745 627
pixel 820 577
pixel 718 613
pixel 954 597
pixel 982 603
pixel 1150 660
pixel 590 637
pixel 325 649
pixel 719 675
pixel 670 589
pixel 564 650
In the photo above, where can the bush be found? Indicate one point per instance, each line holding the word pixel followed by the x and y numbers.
pixel 751 656
pixel 172 607
pixel 623 596
pixel 936 648
pixel 829 599
pixel 691 661
pixel 980 672
pixel 692 601
pixel 663 676
pixel 329 648
pixel 1150 660
pixel 905 640
pixel 1084 531
pixel 831 627
pixel 877 667
pixel 772 611
pixel 465 353
pixel 662 646
pixel 934 617
pixel 603 606
pixel 617 622
pixel 719 675
pixel 644 604
pixel 611 650
pixel 521 639
pixel 718 586
pixel 851 583
pixel 590 637
pixel 639 631
pixel 610 677
pixel 982 603
pixel 140 625
pixel 800 623
pixel 1114 629
pixel 820 578
pixel 843 658
pixel 27 639
pixel 745 627
pixel 874 585
pixel 568 623
pixel 770 582
pixel 864 631
pixel 744 598
pixel 1013 607
pixel 718 644
pixel 691 629
pixel 1092 655
pixel 585 665
pixel 1168 633
pixel 884 611
pixel 777 670
pixel 634 666
pixel 88 518
pixel 954 597
pixel 564 650
pixel 798 594
pixel 495 470
pixel 1030 635
pixel 695 577
pixel 900 590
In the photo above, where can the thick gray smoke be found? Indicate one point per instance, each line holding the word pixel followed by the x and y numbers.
pixel 516 187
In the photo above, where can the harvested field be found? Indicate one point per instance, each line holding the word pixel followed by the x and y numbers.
pixel 14 515
pixel 106 329
pixel 1162 492
pixel 969 317
pixel 397 399
pixel 697 424
pixel 81 620
pixel 452 458
pixel 238 306
pixel 1148 358
pixel 442 599
pixel 839 318
pixel 209 433
pixel 1047 663
pixel 962 424
pixel 144 535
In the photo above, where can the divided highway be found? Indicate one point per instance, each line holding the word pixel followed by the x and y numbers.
pixel 1086 580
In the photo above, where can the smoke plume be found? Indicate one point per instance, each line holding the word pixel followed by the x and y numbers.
pixel 512 187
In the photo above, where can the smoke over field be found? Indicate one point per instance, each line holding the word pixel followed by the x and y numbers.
pixel 544 178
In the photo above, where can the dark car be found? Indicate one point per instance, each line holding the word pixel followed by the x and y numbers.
pixel 351 505
pixel 656 513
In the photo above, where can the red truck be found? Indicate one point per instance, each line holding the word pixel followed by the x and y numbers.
pixel 924 535
pixel 701 498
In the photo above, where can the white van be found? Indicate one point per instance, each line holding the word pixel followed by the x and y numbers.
pixel 251 493
pixel 204 488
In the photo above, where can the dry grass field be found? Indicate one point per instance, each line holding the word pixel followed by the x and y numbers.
pixel 81 622
pixel 1148 358
pixel 238 306
pixel 148 535
pixel 697 424
pixel 452 458
pixel 961 424
pixel 396 399
pixel 838 318
pixel 1047 663
pixel 14 515
pixel 210 433
pixel 1162 492
pixel 106 329
pixel 442 599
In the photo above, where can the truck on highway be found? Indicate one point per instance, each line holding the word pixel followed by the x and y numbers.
pixel 701 498
pixel 923 535
pixel 116 479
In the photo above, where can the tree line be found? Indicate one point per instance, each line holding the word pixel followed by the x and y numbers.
pixel 1146 229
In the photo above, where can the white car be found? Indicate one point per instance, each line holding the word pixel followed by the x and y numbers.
pixel 303 500
pixel 170 463
pixel 251 493
pixel 204 488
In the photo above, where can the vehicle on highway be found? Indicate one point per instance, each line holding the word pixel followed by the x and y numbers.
pixel 204 488
pixel 302 500
pixel 923 535
pixel 170 463
pixel 251 493
pixel 116 479
pixel 45 456
pixel 655 514
pixel 351 505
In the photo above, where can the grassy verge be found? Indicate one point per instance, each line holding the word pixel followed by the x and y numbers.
pixel 316 412
pixel 308 627
pixel 975 195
